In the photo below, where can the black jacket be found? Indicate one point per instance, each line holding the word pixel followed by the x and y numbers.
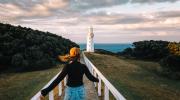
pixel 75 72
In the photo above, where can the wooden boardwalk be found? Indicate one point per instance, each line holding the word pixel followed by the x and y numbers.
pixel 104 87
pixel 89 86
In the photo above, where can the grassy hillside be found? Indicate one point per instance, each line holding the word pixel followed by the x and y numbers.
pixel 167 53
pixel 136 79
pixel 22 86
pixel 28 49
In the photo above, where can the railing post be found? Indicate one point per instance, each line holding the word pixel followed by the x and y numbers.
pixel 95 76
pixel 51 95
pixel 60 88
pixel 88 65
pixel 65 80
pixel 106 93
pixel 99 87
pixel 91 69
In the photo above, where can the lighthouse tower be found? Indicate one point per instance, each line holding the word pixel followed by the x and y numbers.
pixel 90 40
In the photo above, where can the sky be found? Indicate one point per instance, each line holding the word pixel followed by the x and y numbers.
pixel 114 21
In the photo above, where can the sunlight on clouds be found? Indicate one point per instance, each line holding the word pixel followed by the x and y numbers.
pixel 153 34
pixel 113 20
pixel 44 9
pixel 148 15
pixel 56 3
pixel 172 21
pixel 37 9
pixel 9 11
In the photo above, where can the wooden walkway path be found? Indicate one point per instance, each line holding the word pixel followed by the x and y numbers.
pixel 103 88
pixel 89 86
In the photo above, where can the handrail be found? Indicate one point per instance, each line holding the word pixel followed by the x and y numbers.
pixel 108 85
pixel 37 95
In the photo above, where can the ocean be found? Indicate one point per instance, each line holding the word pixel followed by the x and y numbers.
pixel 110 47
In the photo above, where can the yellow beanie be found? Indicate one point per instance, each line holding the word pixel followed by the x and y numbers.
pixel 74 52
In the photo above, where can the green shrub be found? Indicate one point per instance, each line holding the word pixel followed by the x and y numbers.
pixel 171 62
pixel 127 52
pixel 17 60
pixel 150 49
pixel 174 48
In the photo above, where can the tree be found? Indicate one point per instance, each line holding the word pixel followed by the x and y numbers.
pixel 17 60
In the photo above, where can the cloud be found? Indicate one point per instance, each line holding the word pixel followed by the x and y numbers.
pixel 103 17
pixel 168 14
pixel 28 4
pixel 51 21
pixel 45 8
pixel 171 17
pixel 27 8
pixel 152 1
pixel 87 4
pixel 74 16
pixel 56 4
pixel 9 11
pixel 82 5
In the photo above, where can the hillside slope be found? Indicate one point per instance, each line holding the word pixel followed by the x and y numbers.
pixel 136 79
pixel 27 49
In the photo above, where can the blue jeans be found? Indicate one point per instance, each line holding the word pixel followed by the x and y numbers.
pixel 75 93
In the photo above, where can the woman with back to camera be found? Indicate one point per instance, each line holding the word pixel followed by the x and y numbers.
pixel 74 70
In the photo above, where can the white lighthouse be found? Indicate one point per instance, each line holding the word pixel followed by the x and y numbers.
pixel 90 40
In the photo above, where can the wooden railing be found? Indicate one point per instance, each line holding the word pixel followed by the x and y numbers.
pixel 107 85
pixel 51 93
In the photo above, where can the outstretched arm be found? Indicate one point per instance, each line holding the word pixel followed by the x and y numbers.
pixel 60 77
pixel 89 75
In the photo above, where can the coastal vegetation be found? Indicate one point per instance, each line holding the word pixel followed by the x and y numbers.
pixel 174 48
pixel 149 50
pixel 164 52
pixel 136 79
pixel 26 49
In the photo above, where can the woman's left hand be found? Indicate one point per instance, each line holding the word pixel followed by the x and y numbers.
pixel 42 97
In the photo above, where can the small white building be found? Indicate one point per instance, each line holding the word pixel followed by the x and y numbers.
pixel 90 40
